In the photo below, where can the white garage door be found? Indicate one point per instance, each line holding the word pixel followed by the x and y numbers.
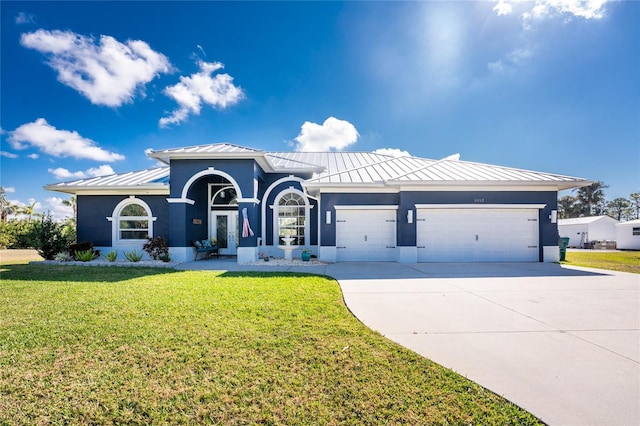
pixel 365 235
pixel 477 235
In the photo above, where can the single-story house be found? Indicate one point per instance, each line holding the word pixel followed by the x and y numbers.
pixel 342 206
pixel 628 235
pixel 583 230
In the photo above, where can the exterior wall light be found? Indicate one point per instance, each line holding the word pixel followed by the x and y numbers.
pixel 327 217
pixel 409 216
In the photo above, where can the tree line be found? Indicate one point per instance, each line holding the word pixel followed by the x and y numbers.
pixel 591 201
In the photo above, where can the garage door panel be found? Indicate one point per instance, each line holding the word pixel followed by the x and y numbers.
pixel 366 235
pixel 477 235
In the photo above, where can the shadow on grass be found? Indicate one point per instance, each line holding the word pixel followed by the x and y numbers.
pixel 36 272
pixel 272 274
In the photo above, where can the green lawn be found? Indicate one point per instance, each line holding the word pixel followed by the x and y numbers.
pixel 624 261
pixel 97 345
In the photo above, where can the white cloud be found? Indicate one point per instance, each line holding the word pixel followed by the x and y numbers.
pixel 62 173
pixel 58 210
pixel 33 156
pixel 503 7
pixel 201 88
pixel 25 18
pixel 8 154
pixel 393 152
pixel 332 134
pixel 108 73
pixel 9 189
pixel 59 143
pixel 540 9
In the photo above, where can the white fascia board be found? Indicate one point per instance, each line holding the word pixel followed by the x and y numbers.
pixel 373 188
pixel 366 207
pixel 480 186
pixel 480 206
pixel 138 190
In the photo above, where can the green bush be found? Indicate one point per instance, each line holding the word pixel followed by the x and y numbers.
pixel 85 256
pixel 111 256
pixel 49 237
pixel 63 256
pixel 133 256
pixel 16 234
pixel 82 247
pixel 157 248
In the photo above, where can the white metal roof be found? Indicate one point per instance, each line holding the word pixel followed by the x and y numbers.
pixel 145 181
pixel 334 169
pixel 583 220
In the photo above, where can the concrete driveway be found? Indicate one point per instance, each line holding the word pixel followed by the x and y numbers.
pixel 562 343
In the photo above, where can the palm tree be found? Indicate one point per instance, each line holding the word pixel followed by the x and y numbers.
pixel 591 196
pixel 28 210
pixel 72 203
pixel 6 208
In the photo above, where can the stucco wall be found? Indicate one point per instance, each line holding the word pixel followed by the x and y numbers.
pixel 93 211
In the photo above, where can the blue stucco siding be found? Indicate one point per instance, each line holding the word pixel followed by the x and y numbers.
pixel 406 232
pixel 93 211
pixel 243 171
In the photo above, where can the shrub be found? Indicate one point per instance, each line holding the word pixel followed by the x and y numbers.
pixel 16 234
pixel 157 248
pixel 85 256
pixel 133 256
pixel 49 237
pixel 111 256
pixel 83 246
pixel 63 256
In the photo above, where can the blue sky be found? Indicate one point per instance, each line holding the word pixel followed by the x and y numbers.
pixel 87 87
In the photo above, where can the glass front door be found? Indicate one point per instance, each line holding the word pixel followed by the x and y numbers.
pixel 224 228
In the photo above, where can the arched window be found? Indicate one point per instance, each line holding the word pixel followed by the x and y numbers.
pixel 225 196
pixel 131 221
pixel 291 218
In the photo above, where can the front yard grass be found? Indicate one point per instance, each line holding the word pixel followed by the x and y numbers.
pixel 623 261
pixel 148 346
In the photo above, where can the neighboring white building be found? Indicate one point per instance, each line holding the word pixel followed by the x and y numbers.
pixel 581 230
pixel 628 235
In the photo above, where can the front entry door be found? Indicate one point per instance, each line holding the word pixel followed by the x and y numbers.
pixel 224 228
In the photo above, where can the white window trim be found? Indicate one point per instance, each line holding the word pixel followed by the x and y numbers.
pixel 115 221
pixel 276 210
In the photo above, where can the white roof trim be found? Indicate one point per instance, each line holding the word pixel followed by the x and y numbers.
pixel 367 207
pixel 480 206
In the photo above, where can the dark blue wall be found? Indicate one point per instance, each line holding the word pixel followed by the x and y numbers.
pixel 93 211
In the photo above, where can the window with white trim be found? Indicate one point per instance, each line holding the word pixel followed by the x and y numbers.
pixel 292 218
pixel 635 231
pixel 132 221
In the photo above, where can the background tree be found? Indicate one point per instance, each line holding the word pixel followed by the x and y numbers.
pixel 591 197
pixel 634 200
pixel 28 210
pixel 618 208
pixel 6 207
pixel 71 202
pixel 568 207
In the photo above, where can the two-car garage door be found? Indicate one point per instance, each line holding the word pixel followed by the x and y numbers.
pixel 477 234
